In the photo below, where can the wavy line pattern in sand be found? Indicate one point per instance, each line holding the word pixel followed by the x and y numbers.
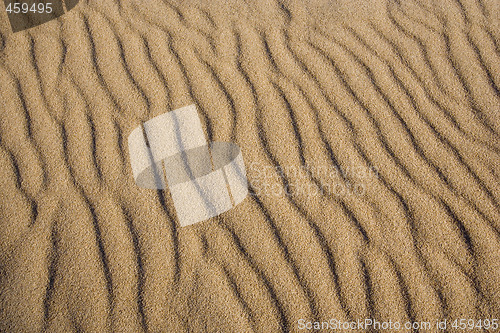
pixel 407 88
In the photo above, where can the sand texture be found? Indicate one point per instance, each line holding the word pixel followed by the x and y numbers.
pixel 370 131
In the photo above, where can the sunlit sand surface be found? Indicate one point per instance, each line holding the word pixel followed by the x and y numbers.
pixel 370 131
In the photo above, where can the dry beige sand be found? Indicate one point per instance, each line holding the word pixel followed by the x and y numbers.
pixel 402 95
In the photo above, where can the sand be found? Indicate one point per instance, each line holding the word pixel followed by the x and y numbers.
pixel 371 135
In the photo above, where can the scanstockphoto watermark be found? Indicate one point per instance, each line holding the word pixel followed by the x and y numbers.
pixel 367 324
pixel 309 180
pixel 371 324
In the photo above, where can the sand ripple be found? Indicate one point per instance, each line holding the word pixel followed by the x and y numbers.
pixel 371 135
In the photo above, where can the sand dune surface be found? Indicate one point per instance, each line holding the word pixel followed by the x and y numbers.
pixel 370 132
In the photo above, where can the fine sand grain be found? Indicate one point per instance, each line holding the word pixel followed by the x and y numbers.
pixel 371 135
